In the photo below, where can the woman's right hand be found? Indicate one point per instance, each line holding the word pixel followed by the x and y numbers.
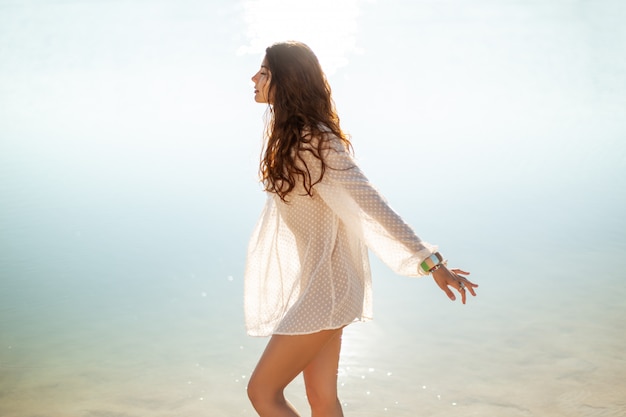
pixel 446 278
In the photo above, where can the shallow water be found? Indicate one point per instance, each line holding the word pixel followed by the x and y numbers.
pixel 128 146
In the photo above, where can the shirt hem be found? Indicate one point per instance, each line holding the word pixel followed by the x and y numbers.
pixel 279 333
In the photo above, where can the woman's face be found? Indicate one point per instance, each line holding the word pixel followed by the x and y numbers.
pixel 261 82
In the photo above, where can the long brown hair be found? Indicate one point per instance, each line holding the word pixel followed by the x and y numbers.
pixel 301 113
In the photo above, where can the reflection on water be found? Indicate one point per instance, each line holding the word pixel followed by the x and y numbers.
pixel 128 193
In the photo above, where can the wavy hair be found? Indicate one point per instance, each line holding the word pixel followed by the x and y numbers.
pixel 302 116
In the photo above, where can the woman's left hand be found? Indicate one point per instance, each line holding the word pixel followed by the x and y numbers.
pixel 446 278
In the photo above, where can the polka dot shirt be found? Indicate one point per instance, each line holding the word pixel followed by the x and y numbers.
pixel 307 265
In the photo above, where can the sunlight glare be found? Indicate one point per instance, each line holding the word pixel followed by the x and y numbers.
pixel 329 27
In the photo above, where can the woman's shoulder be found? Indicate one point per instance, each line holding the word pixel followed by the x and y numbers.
pixel 323 138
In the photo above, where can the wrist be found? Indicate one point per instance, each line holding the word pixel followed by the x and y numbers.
pixel 437 268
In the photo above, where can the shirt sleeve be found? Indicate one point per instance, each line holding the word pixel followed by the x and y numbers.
pixel 366 213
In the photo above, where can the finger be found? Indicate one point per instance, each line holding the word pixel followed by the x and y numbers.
pixel 466 281
pixel 467 285
pixel 470 287
pixel 460 287
pixel 459 271
pixel 444 288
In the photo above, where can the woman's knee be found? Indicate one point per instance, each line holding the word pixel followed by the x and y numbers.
pixel 261 396
pixel 256 392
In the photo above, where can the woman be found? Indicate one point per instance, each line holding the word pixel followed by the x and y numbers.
pixel 307 272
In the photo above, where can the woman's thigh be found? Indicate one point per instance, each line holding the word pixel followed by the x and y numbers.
pixel 320 375
pixel 286 356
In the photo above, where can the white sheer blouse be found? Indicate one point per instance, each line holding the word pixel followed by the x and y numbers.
pixel 307 265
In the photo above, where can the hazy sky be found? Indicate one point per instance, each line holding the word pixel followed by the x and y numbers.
pixel 102 99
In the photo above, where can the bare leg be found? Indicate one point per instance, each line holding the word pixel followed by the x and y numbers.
pixel 320 379
pixel 283 359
